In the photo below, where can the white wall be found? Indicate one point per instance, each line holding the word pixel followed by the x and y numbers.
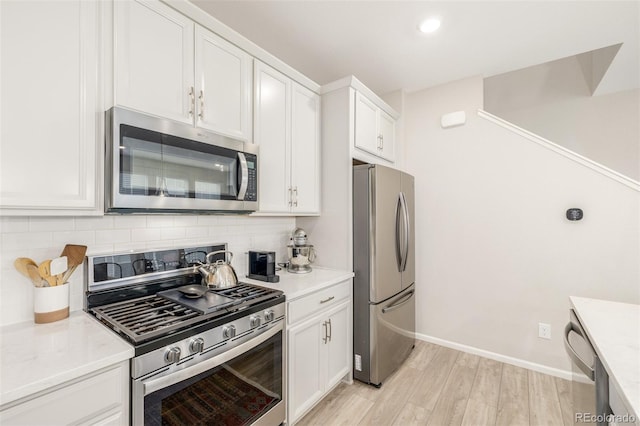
pixel 495 252
pixel 44 238
pixel 554 100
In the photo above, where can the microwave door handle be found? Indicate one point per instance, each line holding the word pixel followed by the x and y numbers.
pixel 244 176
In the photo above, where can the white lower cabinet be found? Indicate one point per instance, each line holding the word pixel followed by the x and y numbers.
pixel 319 347
pixel 101 399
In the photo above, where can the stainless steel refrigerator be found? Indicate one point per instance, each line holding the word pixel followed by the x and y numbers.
pixel 384 266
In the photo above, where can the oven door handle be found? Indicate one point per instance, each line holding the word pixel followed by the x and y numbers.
pixel 177 377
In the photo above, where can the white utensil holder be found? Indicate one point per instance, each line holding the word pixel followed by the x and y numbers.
pixel 50 303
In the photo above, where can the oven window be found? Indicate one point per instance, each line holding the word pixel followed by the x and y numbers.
pixel 234 393
pixel 155 164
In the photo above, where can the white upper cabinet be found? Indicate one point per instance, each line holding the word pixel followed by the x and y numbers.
pixel 167 65
pixel 272 134
pixel 223 86
pixel 287 128
pixel 154 59
pixel 50 109
pixel 374 129
pixel 305 150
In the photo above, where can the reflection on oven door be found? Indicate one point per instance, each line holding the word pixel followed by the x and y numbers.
pixel 237 392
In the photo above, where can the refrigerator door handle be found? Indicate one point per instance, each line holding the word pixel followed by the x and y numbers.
pixel 399 302
pixel 407 232
pixel 399 259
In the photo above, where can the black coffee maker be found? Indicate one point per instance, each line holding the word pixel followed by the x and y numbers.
pixel 262 266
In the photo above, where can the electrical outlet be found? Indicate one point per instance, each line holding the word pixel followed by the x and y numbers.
pixel 544 330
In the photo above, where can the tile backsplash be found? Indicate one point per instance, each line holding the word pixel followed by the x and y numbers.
pixel 43 238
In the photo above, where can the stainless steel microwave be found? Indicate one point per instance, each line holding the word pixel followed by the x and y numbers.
pixel 156 165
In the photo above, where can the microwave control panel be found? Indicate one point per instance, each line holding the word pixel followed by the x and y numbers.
pixel 252 186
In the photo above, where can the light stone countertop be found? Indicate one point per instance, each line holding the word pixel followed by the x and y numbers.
pixel 295 286
pixel 614 330
pixel 35 357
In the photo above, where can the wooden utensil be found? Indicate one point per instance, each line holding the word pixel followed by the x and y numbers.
pixel 75 256
pixel 33 273
pixel 21 265
pixel 45 272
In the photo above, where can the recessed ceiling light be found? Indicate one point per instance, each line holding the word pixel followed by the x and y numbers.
pixel 429 25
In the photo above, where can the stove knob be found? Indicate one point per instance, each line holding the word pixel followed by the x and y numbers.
pixel 172 355
pixel 269 315
pixel 196 345
pixel 229 331
pixel 254 321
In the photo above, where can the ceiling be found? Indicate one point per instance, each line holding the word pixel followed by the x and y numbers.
pixel 378 41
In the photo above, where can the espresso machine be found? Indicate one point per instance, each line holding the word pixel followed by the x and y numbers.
pixel 300 253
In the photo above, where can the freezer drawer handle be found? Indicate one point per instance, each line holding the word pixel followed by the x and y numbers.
pixel 397 303
pixel 328 299
pixel 572 353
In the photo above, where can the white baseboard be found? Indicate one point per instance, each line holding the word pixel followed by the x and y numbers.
pixel 563 374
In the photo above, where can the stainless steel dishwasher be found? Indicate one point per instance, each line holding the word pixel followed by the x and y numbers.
pixel 590 381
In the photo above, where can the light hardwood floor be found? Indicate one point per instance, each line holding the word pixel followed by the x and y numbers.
pixel 441 386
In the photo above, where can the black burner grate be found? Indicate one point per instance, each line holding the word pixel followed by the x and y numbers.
pixel 149 317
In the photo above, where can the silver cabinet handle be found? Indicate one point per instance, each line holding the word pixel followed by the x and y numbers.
pixel 192 101
pixel 326 336
pixel 398 302
pixel 201 97
pixel 290 197
pixel 379 141
pixel 329 329
pixel 328 299
pixel 295 196
pixel 588 371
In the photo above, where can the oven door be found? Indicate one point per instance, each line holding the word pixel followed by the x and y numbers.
pixel 156 164
pixel 240 386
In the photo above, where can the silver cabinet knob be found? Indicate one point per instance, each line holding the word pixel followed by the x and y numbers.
pixel 229 331
pixel 254 321
pixel 172 355
pixel 196 345
pixel 269 315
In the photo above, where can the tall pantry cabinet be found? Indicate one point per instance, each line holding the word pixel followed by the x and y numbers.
pixel 50 104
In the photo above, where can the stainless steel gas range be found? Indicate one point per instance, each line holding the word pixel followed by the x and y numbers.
pixel 213 360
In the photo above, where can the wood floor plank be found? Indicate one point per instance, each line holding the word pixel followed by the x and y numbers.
pixel 440 386
pixel 412 415
pixel 422 355
pixel 482 407
pixel 393 396
pixel 513 402
pixel 564 396
pixel 433 379
pixel 451 405
pixel 544 405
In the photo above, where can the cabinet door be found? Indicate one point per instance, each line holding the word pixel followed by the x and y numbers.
pixel 387 132
pixel 154 59
pixel 223 86
pixel 272 133
pixel 49 107
pixel 339 345
pixel 366 129
pixel 307 367
pixel 305 150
